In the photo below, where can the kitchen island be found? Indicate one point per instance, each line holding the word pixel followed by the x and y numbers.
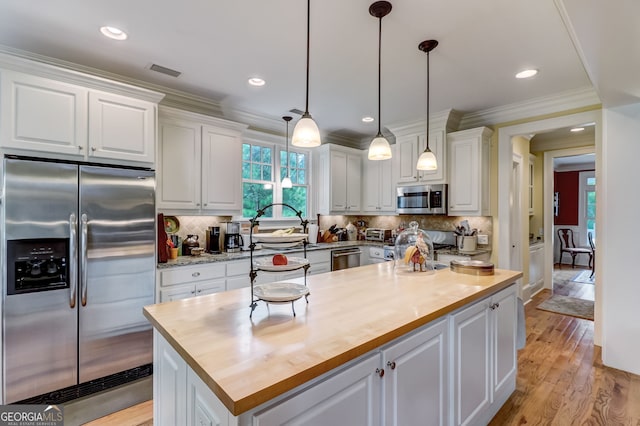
pixel 454 332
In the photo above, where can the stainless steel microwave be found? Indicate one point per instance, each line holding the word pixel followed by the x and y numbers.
pixel 422 199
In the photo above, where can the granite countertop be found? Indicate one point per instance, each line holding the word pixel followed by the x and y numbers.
pixel 225 257
pixel 247 361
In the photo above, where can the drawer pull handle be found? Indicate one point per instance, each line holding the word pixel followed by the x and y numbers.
pixel 380 372
pixel 391 365
pixel 195 274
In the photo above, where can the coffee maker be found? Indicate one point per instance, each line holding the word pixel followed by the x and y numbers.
pixel 233 241
pixel 213 239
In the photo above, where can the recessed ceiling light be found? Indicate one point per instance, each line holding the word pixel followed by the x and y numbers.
pixel 368 119
pixel 577 129
pixel 113 33
pixel 256 81
pixel 527 73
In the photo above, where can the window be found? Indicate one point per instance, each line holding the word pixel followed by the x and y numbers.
pixel 261 188
pixel 296 196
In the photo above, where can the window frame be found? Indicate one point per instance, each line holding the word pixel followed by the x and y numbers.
pixel 584 188
pixel 277 190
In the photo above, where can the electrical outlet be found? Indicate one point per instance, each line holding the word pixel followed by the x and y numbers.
pixel 483 239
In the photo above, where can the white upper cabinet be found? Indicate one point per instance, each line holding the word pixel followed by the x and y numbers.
pixel 121 127
pixel 411 142
pixel 469 172
pixel 57 113
pixel 378 186
pixel 338 179
pixel 409 149
pixel 200 163
pixel 221 169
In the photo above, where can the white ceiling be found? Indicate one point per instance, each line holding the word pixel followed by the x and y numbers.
pixel 217 45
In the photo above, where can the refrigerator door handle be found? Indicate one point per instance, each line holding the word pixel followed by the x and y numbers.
pixel 73 256
pixel 83 260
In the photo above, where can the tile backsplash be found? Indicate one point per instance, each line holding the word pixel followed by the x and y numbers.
pixel 197 225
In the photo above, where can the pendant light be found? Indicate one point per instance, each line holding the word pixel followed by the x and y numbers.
pixel 379 148
pixel 286 182
pixel 306 133
pixel 427 160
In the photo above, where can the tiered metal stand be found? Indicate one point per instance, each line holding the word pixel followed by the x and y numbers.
pixel 254 271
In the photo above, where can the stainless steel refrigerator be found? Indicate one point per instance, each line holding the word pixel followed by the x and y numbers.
pixel 79 265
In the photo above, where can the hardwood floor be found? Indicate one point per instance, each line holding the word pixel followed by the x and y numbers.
pixel 561 380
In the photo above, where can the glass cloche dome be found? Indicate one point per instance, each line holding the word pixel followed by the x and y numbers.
pixel 414 250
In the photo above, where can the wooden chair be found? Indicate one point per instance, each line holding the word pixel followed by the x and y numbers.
pixel 568 246
pixel 593 253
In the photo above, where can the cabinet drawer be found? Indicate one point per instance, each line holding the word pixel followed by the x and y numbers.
pixel 191 274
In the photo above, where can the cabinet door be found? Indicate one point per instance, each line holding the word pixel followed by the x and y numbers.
pixel 416 379
pixel 121 128
pixel 354 185
pixel 338 180
pixel 471 364
pixel 378 194
pixel 39 114
pixel 387 198
pixel 464 189
pixel 221 170
pixel 179 165
pixel 407 151
pixel 350 397
pixel 504 324
pixel 169 381
pixel 371 182
pixel 436 145
pixel 203 408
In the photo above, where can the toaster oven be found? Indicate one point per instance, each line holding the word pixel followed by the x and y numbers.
pixel 377 234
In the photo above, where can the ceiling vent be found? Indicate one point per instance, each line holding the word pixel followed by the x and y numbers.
pixel 296 111
pixel 164 70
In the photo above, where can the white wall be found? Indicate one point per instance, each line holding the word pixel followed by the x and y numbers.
pixel 619 207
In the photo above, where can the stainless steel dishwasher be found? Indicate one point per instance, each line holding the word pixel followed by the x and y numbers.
pixel 345 258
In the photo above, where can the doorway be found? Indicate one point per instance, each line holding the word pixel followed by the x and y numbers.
pixel 505 164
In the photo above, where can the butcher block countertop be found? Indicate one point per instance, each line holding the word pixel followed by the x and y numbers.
pixel 247 362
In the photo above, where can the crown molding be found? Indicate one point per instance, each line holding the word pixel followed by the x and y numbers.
pixel 562 101
pixel 42 66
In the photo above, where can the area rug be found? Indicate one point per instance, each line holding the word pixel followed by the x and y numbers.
pixel 571 306
pixel 583 277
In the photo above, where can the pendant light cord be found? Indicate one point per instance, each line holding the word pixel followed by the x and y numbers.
pixel 379 74
pixel 287 143
pixel 428 101
pixel 306 106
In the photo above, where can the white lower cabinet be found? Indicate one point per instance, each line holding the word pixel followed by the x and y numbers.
pixel 180 397
pixel 416 380
pixel 536 271
pixel 457 370
pixel 484 363
pixel 180 283
pixel 350 397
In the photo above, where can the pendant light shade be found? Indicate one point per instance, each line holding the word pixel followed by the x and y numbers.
pixel 379 149
pixel 427 160
pixel 286 182
pixel 306 133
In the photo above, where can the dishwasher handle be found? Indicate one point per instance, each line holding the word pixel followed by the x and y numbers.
pixel 346 253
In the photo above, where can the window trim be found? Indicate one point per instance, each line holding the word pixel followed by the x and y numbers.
pixel 277 189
